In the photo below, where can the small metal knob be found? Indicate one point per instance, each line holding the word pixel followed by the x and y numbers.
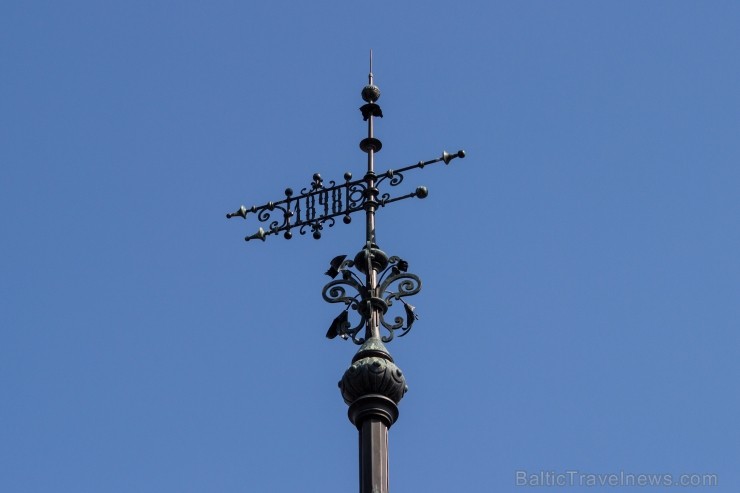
pixel 371 93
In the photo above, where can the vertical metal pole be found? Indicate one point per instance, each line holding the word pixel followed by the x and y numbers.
pixel 370 176
pixel 373 321
pixel 372 413
pixel 373 457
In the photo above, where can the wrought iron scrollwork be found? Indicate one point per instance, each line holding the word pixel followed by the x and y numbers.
pixel 394 177
pixel 394 284
pixel 318 204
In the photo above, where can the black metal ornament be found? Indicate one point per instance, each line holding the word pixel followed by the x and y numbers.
pixel 372 287
pixel 393 285
pixel 317 205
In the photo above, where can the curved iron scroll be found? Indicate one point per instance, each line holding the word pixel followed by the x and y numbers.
pixel 317 205
pixel 394 285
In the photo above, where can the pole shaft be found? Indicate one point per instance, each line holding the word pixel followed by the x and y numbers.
pixel 373 322
pixel 373 456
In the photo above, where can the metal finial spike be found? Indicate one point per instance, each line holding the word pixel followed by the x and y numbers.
pixel 241 212
pixel 447 157
pixel 370 75
pixel 259 235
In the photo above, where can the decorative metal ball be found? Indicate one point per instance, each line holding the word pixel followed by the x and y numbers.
pixel 378 259
pixel 371 93
pixel 373 372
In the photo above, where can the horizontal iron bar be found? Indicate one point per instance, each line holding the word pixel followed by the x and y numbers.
pixel 348 184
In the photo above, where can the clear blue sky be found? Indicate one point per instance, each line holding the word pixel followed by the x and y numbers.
pixel 581 268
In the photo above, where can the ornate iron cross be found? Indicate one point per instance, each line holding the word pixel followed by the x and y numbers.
pixel 370 283
pixel 385 278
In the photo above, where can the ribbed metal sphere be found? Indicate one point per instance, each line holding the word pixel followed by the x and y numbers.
pixel 371 93
pixel 373 372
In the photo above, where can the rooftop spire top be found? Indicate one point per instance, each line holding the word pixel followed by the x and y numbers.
pixel 370 286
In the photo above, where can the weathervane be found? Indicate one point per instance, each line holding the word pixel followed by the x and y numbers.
pixel 373 385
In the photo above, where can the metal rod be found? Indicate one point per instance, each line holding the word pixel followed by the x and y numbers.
pixel 373 444
pixel 373 321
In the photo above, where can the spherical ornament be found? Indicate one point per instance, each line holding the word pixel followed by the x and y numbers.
pixel 371 93
pixel 373 372
pixel 373 376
